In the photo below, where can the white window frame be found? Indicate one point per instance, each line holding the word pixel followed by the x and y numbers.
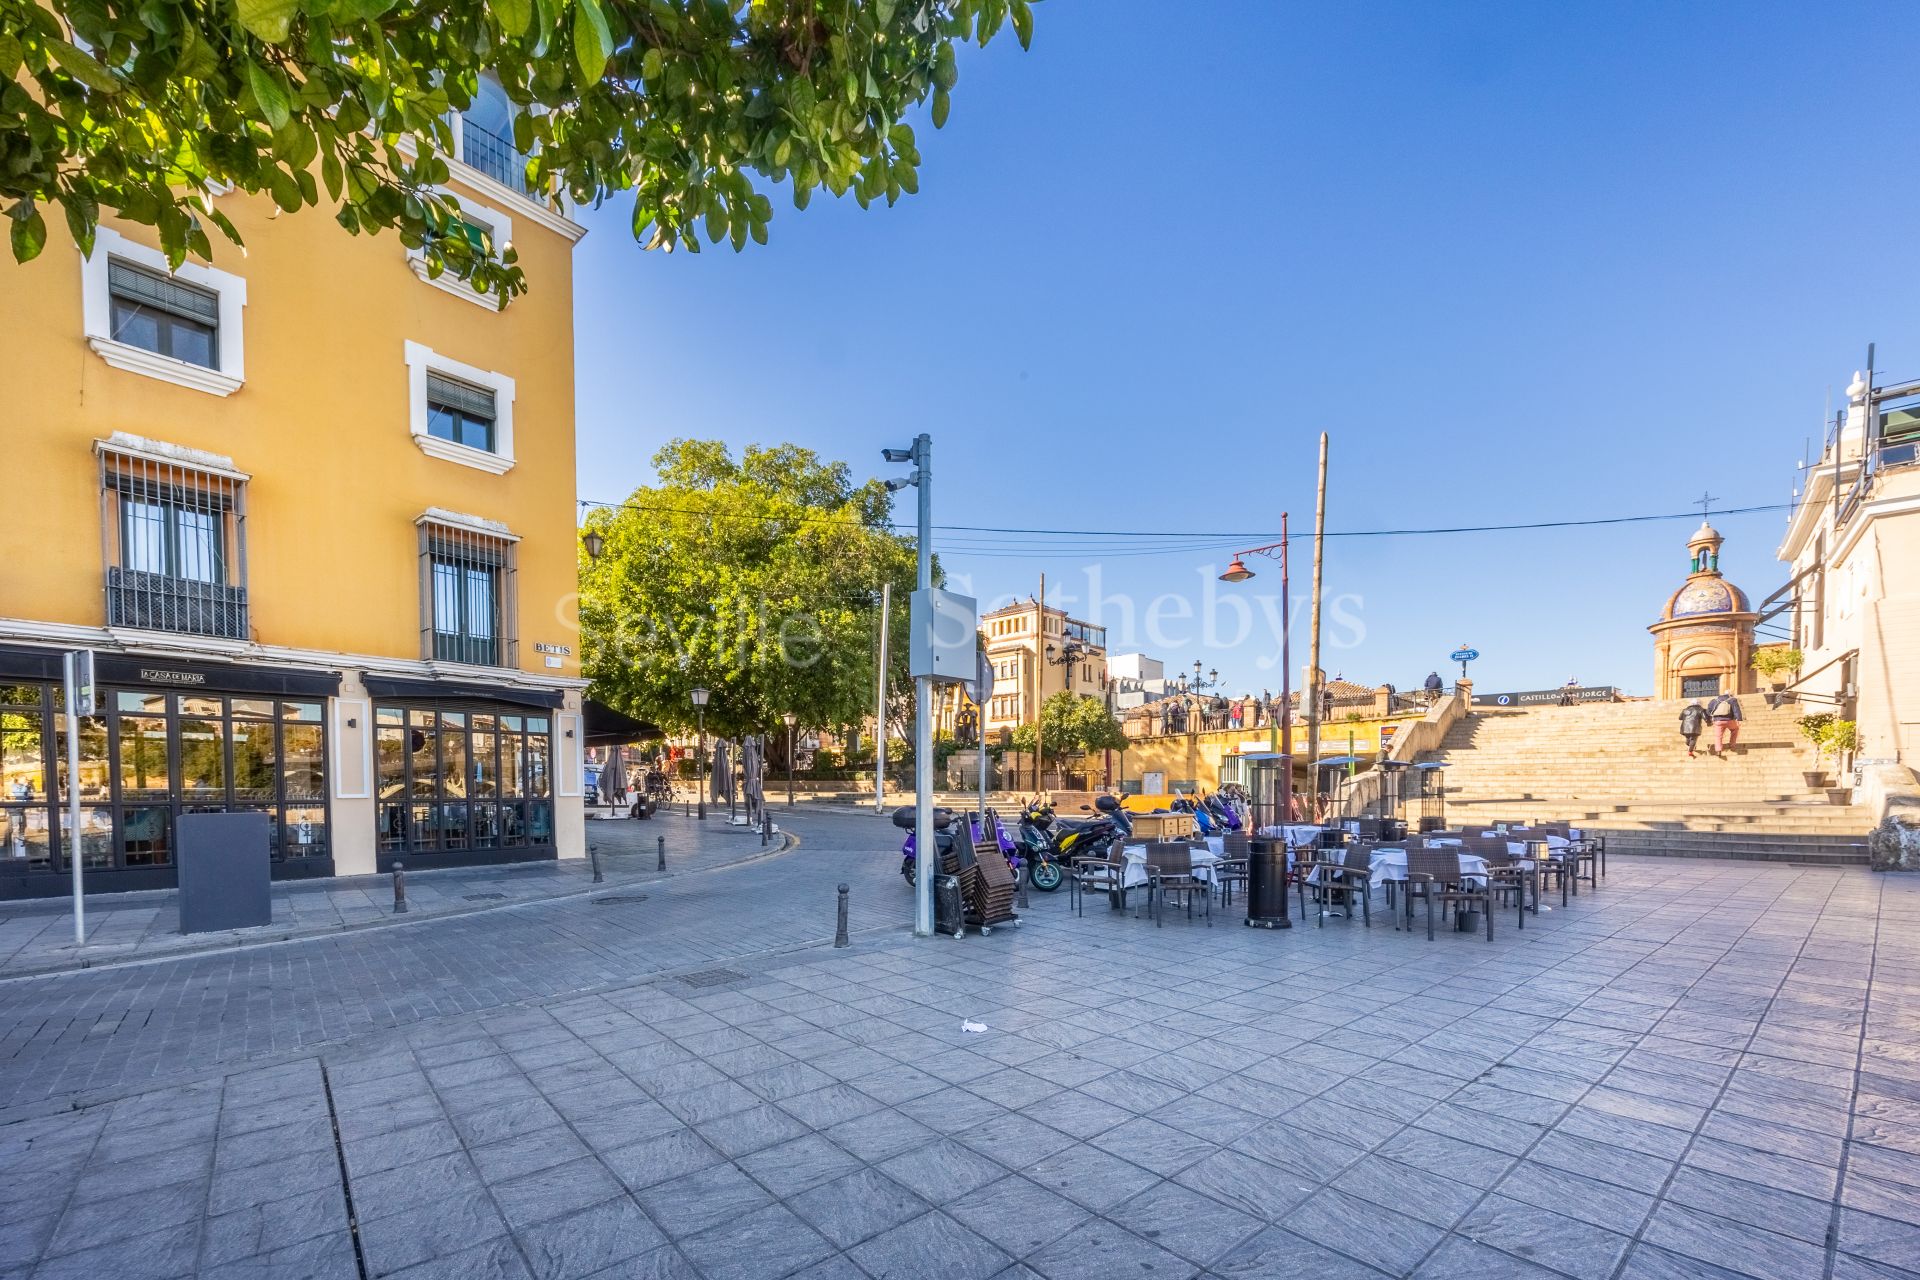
pixel 420 359
pixel 498 225
pixel 96 317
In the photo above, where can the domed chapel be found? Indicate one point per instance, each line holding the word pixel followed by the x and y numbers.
pixel 1703 642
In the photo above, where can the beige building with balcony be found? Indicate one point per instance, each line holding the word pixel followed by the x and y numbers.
pixel 1036 653
pixel 1852 604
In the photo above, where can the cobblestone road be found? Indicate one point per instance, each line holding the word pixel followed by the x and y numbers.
pixel 1702 1070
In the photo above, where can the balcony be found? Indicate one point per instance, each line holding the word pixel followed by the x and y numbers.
pixel 156 602
pixel 493 155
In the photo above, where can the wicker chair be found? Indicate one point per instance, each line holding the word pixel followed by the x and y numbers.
pixel 1170 871
pixel 1343 872
pixel 1435 876
pixel 1506 875
pixel 1231 869
pixel 1101 875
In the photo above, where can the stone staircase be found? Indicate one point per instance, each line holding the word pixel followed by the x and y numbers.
pixel 1622 768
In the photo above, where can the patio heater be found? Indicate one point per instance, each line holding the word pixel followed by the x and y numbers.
pixel 1267 865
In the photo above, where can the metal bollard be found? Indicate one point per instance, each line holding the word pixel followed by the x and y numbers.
pixel 1026 874
pixel 766 828
pixel 663 855
pixel 593 852
pixel 399 888
pixel 840 931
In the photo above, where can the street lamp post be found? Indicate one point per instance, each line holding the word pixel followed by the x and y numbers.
pixel 700 787
pixel 790 719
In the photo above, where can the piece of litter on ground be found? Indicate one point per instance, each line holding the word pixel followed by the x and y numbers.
pixel 975 1027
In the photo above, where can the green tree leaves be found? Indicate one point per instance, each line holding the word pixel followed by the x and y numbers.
pixel 1072 724
pixel 756 577
pixel 697 107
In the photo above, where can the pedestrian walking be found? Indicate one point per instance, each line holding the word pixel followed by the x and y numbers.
pixel 1693 718
pixel 1725 713
pixel 1568 689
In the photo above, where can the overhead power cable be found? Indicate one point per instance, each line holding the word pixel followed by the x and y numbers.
pixel 996 537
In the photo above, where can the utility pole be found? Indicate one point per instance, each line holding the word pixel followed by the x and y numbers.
pixel 1286 681
pixel 925 842
pixel 880 706
pixel 1040 692
pixel 1313 659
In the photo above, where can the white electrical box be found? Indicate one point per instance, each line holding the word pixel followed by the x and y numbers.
pixel 945 631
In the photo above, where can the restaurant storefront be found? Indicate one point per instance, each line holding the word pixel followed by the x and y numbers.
pixel 464 775
pixel 168 738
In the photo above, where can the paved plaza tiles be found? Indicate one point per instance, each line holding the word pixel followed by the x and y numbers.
pixel 1701 1070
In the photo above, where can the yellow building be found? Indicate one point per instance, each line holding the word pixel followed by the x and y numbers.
pixel 315 515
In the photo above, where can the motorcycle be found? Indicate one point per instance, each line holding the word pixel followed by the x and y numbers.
pixel 1056 841
pixel 944 821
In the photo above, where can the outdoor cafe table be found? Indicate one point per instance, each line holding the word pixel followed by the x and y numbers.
pixel 1203 862
pixel 1294 833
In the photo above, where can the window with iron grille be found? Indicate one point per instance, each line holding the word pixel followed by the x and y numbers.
pixel 467 596
pixel 163 315
pixel 460 412
pixel 174 538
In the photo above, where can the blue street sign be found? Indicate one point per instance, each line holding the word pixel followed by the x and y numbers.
pixel 1464 655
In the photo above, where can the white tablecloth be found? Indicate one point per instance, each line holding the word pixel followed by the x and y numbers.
pixel 1294 833
pixel 1136 873
pixel 1391 864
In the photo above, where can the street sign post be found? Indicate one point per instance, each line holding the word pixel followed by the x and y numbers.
pixel 80 702
pixel 1463 655
pixel 979 689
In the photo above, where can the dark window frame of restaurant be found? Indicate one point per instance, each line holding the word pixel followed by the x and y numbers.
pixel 117 868
pixel 453 560
pixel 154 580
pixel 173 307
pixel 484 835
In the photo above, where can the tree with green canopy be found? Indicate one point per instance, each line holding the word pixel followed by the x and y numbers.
pixel 757 578
pixel 1072 724
pixel 150 109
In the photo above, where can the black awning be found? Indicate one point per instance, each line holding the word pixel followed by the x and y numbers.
pixel 609 728
pixel 31 664
pixel 445 690
pixel 166 673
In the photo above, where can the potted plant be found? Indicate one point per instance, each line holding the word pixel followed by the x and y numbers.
pixel 1815 729
pixel 1841 738
pixel 1777 663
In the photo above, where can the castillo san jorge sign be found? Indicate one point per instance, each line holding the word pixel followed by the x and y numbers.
pixel 1546 697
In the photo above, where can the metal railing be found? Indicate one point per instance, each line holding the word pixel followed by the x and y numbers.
pixel 493 155
pixel 160 603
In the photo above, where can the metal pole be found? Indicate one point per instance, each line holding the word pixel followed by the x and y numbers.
pixel 593 851
pixel 980 756
pixel 662 865
pixel 925 843
pixel 399 889
pixel 840 929
pixel 789 766
pixel 880 706
pixel 1040 692
pixel 1286 682
pixel 700 780
pixel 74 858
pixel 1313 660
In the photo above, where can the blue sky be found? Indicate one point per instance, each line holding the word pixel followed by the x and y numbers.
pixel 1523 262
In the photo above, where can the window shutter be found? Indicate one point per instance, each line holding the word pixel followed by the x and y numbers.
pixel 451 393
pixel 150 288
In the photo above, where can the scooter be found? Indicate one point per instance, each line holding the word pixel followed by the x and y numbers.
pixel 1066 838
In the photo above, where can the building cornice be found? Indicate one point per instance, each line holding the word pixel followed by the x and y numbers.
pixel 161 644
